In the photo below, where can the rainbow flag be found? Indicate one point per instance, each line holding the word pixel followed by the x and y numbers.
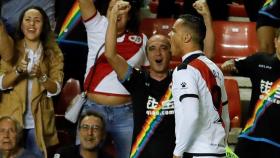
pixel 261 106
pixel 72 19
pixel 149 127
pixel 267 3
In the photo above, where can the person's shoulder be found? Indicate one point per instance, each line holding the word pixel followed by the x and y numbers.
pixel 66 151
pixel 27 154
pixel 104 155
pixel 139 72
pixel 254 57
pixel 262 56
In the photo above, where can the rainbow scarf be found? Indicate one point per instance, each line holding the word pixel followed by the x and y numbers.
pixel 261 106
pixel 149 127
pixel 72 19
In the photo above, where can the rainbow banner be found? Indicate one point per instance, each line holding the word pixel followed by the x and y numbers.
pixel 149 127
pixel 72 19
pixel 267 3
pixel 261 106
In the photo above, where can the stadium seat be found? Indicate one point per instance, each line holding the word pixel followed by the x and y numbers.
pixel 68 92
pixel 150 26
pixel 237 10
pixel 234 40
pixel 234 104
pixel 154 5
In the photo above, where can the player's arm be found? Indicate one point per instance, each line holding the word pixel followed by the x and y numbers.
pixel 186 110
pixel 209 41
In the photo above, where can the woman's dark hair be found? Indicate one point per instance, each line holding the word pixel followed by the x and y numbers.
pixel 46 28
pixel 102 6
pixel 134 17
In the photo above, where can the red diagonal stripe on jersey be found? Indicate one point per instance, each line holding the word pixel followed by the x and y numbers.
pixel 127 49
pixel 210 80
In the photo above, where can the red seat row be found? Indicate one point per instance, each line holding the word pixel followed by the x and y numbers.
pixel 232 39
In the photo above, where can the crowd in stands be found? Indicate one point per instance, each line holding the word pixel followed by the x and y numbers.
pixel 149 93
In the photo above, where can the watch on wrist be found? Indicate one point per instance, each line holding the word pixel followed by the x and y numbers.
pixel 43 78
pixel 18 71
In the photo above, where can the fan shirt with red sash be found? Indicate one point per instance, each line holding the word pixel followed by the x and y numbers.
pixel 130 46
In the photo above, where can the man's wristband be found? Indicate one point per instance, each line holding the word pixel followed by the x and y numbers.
pixel 43 78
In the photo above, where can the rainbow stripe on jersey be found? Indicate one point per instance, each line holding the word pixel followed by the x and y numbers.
pixel 149 127
pixel 261 106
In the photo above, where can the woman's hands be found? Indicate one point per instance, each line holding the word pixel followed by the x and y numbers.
pixel 22 68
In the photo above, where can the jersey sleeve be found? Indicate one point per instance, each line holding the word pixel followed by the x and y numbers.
pixel 185 93
pixel 246 66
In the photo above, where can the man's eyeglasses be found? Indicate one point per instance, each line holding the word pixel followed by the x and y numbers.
pixel 10 130
pixel 85 127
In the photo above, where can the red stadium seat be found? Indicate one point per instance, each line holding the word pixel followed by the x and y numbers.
pixel 68 92
pixel 150 26
pixel 237 10
pixel 234 40
pixel 234 104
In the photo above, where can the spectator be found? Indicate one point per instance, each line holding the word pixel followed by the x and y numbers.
pixel 260 136
pixel 262 70
pixel 147 88
pixel 104 92
pixel 92 134
pixel 11 138
pixel 267 23
pixel 33 76
pixel 201 110
pixel 11 10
